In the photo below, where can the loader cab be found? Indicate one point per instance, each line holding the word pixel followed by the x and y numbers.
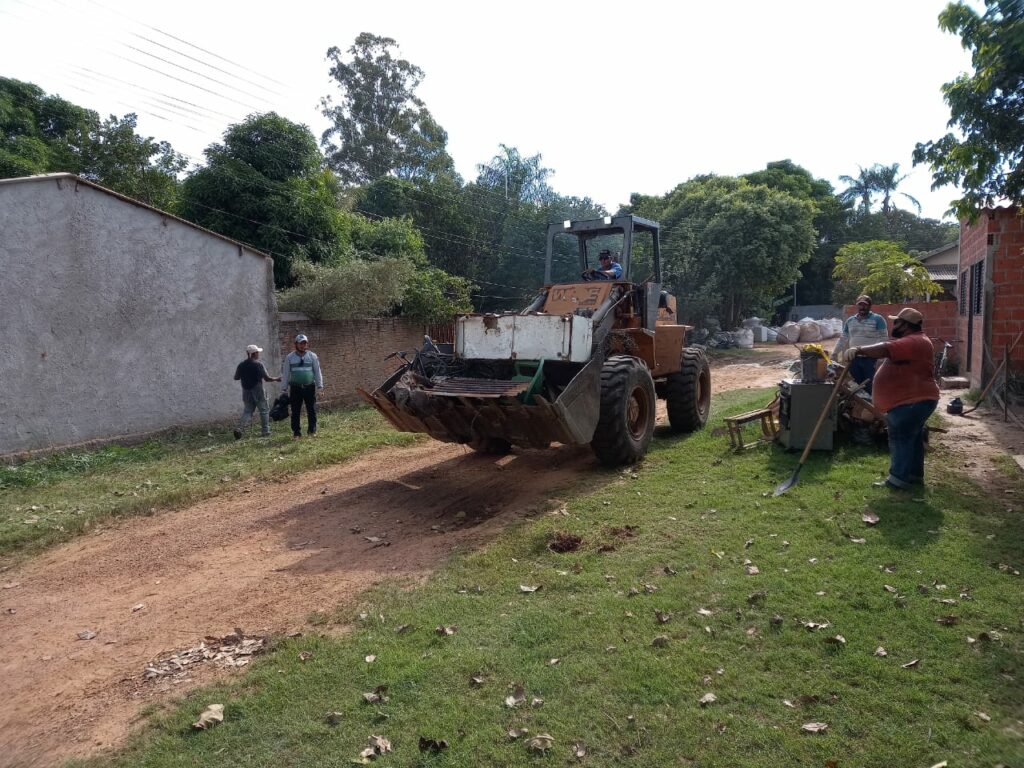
pixel 635 240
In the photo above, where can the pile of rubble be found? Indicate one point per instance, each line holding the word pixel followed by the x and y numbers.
pixel 233 650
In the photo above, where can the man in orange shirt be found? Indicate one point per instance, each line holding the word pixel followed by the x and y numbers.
pixel 905 390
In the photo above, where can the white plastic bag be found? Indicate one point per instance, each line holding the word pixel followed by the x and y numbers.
pixel 809 331
pixel 789 333
pixel 744 338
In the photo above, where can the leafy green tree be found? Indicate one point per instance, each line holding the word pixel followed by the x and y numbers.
pixel 859 188
pixel 356 288
pixel 830 224
pixel 730 247
pixel 909 231
pixel 379 125
pixel 986 159
pixel 883 270
pixel 265 185
pixel 42 133
pixel 434 296
pixel 886 179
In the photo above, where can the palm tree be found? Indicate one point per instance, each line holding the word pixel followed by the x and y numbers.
pixel 886 178
pixel 859 187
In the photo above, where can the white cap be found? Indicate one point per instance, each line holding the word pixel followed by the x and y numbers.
pixel 301 337
pixel 253 348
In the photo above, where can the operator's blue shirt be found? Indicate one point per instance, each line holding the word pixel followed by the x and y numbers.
pixel 616 270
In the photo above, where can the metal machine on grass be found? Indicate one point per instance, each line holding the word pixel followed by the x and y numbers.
pixel 583 363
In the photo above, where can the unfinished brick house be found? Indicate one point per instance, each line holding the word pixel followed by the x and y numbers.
pixel 990 293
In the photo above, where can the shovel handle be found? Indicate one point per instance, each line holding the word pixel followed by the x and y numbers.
pixel 824 414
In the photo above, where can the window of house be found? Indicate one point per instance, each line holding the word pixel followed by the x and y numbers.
pixel 977 286
pixel 962 292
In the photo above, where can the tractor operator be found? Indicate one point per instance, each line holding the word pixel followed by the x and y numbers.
pixel 610 268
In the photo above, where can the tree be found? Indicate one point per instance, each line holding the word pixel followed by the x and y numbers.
pixel 379 125
pixel 883 270
pixel 729 247
pixel 42 133
pixel 354 289
pixel 886 179
pixel 986 159
pixel 830 224
pixel 860 187
pixel 265 185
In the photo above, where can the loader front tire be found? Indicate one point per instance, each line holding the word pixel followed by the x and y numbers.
pixel 626 422
pixel 688 393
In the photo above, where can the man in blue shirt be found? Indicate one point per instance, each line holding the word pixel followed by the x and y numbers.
pixel 861 330
pixel 609 270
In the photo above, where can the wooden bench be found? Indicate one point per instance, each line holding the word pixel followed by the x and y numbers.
pixel 769 418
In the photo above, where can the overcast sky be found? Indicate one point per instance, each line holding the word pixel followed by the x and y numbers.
pixel 617 97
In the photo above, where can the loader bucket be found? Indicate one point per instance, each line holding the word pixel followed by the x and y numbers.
pixel 462 410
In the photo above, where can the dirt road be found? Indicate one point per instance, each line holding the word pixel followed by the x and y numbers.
pixel 262 560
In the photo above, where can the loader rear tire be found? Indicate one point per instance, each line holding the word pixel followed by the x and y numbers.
pixel 492 446
pixel 626 422
pixel 688 393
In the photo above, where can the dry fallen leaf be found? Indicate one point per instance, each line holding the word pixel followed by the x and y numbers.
pixel 401 629
pixel 881 652
pixel 138 607
pixel 477 681
pixel 668 570
pixel 836 640
pixel 553 662
pixel 984 717
pixel 376 696
pixel 890 589
pixel 518 697
pixel 870 518
pixel 662 617
pixel 857 540
pixel 305 656
pixel 370 659
pixel 448 631
pixel 911 663
pixel 947 621
pixel 536 702
pixel 333 718
pixel 540 743
pixel 707 698
pixel 525 588
pixel 813 626
pixel 704 612
pixel 660 641
pixel 775 620
pixel 752 570
pixel 814 727
pixel 516 733
pixel 943 764
pixel 86 634
pixel 212 715
pixel 789 703
pixel 380 745
pixel 579 750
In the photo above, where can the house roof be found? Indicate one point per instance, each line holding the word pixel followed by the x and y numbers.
pixel 938 251
pixel 132 201
pixel 941 272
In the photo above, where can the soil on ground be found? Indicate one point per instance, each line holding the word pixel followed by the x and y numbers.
pixel 263 559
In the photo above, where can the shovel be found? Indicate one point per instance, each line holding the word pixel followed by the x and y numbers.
pixel 786 485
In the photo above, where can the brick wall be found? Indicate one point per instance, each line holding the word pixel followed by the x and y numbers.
pixel 940 318
pixel 998 238
pixel 352 352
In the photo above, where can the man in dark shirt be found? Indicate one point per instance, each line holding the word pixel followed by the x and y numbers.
pixel 252 373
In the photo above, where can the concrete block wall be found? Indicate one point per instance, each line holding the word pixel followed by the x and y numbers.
pixel 351 352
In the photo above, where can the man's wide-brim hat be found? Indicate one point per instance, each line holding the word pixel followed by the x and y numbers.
pixel 909 315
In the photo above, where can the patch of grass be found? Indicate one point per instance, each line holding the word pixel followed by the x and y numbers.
pixel 701 516
pixel 51 499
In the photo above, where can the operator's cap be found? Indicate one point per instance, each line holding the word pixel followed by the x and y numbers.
pixel 253 348
pixel 909 315
pixel 605 254
pixel 300 338
pixel 864 299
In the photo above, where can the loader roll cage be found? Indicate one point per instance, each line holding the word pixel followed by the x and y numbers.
pixel 586 230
